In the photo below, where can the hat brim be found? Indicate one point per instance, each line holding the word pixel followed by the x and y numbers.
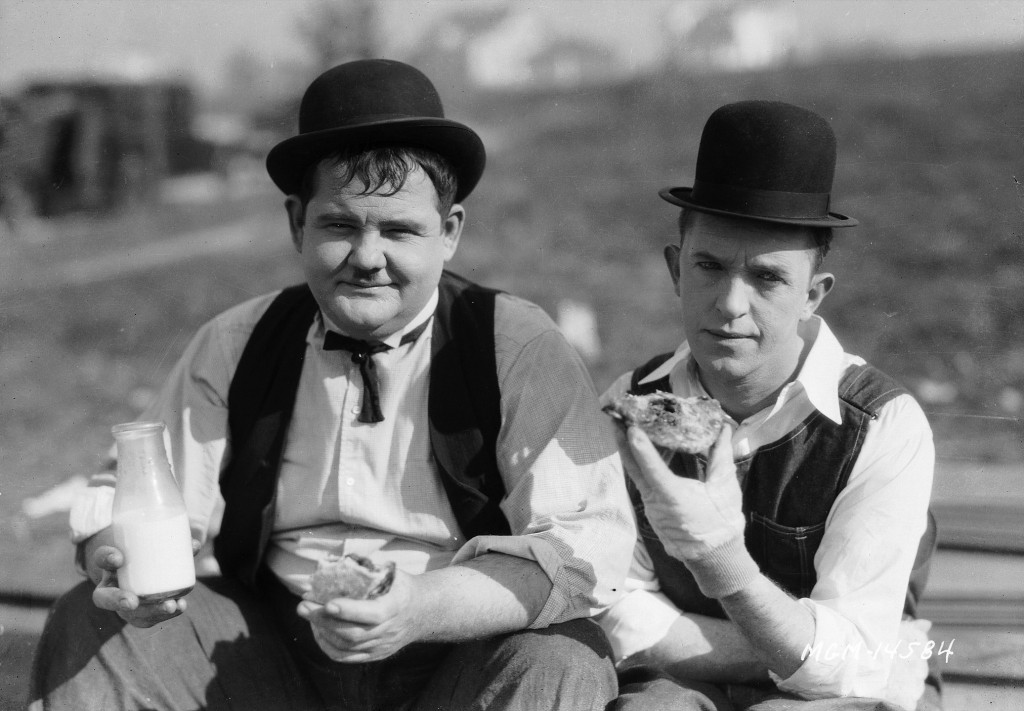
pixel 681 197
pixel 460 145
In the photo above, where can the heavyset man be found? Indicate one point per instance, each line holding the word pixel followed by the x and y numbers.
pixel 386 408
pixel 784 575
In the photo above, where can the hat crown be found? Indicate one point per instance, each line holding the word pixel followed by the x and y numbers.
pixel 767 145
pixel 363 90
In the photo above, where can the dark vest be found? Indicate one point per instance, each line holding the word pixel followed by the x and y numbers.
pixel 464 412
pixel 789 487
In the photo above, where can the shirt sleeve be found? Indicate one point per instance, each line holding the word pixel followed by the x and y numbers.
pixel 641 575
pixel 865 559
pixel 192 403
pixel 565 501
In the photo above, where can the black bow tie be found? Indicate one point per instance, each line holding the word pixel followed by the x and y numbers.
pixel 362 355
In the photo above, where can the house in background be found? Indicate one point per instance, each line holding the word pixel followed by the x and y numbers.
pixel 733 37
pixel 507 47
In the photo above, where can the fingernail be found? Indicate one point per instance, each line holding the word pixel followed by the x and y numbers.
pixel 124 604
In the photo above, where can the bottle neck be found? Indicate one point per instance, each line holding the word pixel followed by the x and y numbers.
pixel 144 477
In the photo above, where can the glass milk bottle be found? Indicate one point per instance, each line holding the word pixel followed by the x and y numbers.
pixel 149 521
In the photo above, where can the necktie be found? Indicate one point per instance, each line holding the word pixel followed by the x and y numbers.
pixel 362 355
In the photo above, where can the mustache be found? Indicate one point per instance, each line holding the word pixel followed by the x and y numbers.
pixel 365 277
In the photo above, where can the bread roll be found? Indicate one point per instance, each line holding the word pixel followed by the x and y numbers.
pixel 350 576
pixel 679 424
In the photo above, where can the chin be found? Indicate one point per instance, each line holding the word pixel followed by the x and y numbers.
pixel 724 367
pixel 359 320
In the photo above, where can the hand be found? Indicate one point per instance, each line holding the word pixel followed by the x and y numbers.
pixel 690 517
pixel 108 596
pixel 357 631
pixel 909 666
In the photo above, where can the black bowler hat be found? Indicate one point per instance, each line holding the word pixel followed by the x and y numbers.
pixel 375 102
pixel 765 161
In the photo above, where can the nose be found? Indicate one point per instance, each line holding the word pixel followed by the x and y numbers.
pixel 367 251
pixel 733 301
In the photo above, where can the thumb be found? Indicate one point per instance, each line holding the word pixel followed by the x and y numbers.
pixel 651 469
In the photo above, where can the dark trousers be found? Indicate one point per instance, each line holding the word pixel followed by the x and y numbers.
pixel 235 651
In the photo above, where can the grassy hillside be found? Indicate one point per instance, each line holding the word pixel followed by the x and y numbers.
pixel 931 153
pixel 929 289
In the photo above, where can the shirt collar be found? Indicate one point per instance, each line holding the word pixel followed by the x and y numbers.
pixel 818 378
pixel 822 370
pixel 682 355
pixel 395 339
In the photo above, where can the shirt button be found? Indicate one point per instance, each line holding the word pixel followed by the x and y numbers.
pixel 355 410
pixel 350 481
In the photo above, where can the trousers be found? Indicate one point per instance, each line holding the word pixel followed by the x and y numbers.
pixel 647 689
pixel 232 651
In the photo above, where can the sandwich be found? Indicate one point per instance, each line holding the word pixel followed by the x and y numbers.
pixel 678 424
pixel 350 576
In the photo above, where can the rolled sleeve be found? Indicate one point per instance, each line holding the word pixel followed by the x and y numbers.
pixel 193 405
pixel 637 622
pixel 543 552
pixel 90 512
pixel 566 500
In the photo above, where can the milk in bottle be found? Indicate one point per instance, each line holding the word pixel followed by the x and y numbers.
pixel 150 525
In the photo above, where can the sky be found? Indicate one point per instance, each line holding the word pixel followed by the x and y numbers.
pixel 194 37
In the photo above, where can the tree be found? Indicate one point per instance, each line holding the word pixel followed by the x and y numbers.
pixel 337 31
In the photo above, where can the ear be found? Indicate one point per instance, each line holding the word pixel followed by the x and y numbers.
pixel 821 285
pixel 296 219
pixel 672 254
pixel 451 230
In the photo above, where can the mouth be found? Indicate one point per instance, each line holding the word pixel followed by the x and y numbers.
pixel 361 285
pixel 727 335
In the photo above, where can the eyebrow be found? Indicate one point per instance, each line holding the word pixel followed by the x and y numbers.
pixel 397 221
pixel 760 261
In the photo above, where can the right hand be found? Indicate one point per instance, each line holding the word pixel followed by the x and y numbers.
pixel 691 517
pixel 106 559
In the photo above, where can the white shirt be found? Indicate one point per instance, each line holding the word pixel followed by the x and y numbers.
pixel 347 486
pixel 870 542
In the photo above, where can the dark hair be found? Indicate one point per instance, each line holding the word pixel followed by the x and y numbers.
pixel 385 167
pixel 822 236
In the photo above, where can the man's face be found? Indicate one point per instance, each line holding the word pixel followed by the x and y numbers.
pixel 372 261
pixel 746 288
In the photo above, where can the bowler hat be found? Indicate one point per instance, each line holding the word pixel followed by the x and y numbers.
pixel 375 102
pixel 765 161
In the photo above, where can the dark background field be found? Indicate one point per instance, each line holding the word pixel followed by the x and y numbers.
pixel 930 286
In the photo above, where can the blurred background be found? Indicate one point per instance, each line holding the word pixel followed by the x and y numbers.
pixel 134 206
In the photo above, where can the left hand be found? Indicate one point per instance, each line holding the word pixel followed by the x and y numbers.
pixel 357 631
pixel 690 517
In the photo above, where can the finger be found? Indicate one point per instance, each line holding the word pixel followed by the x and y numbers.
pixel 622 442
pixel 108 558
pixel 327 616
pixel 357 657
pixel 362 612
pixel 108 597
pixel 720 461
pixel 150 615
pixel 652 470
pixel 347 637
pixel 307 609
